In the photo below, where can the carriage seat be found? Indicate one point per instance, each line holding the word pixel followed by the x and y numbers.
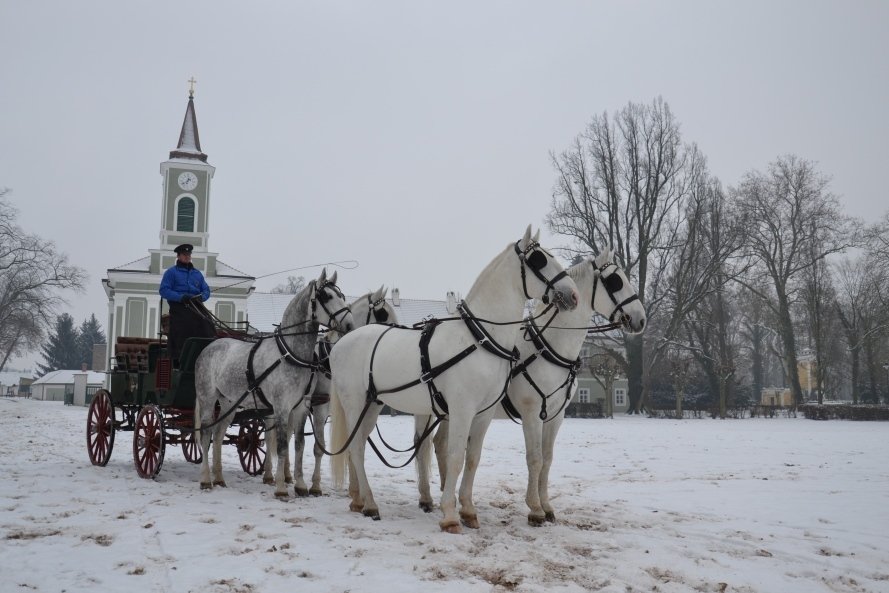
pixel 131 354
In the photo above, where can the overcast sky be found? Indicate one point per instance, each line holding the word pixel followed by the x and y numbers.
pixel 413 137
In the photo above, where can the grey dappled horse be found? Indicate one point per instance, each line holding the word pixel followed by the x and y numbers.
pixel 281 366
pixel 368 308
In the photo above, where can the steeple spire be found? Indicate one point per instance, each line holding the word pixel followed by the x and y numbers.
pixel 189 146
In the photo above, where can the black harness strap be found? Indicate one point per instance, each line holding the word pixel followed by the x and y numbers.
pixel 549 354
pixel 253 381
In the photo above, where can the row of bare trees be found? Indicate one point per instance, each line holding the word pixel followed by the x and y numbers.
pixel 33 276
pixel 732 278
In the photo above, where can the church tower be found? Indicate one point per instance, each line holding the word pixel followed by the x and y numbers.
pixel 134 305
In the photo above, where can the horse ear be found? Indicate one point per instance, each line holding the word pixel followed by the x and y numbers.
pixel 384 290
pixel 333 278
pixel 603 258
pixel 537 236
pixel 323 278
pixel 526 240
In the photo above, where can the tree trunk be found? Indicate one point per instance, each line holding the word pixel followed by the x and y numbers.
pixel 855 353
pixel 635 362
pixel 790 361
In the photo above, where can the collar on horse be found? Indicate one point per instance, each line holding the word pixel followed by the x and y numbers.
pixel 549 354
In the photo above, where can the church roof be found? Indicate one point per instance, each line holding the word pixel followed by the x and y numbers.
pixel 266 309
pixel 189 146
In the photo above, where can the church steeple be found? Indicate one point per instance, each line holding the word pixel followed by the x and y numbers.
pixel 189 146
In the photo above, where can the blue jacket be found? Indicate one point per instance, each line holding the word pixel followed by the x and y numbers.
pixel 183 281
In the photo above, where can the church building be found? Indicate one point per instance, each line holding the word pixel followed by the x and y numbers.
pixel 134 305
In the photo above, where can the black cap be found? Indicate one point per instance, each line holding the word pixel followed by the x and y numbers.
pixel 184 248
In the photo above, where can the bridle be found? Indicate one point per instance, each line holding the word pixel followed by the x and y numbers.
pixel 534 257
pixel 320 297
pixel 381 315
pixel 612 283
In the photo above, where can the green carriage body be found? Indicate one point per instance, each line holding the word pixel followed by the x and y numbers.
pixel 143 374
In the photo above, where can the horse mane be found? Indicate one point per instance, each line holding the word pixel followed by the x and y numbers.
pixel 297 309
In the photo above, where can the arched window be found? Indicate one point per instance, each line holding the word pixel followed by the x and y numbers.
pixel 185 215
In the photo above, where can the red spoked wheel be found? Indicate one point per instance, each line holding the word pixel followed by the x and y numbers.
pixel 149 441
pixel 190 449
pixel 251 445
pixel 100 428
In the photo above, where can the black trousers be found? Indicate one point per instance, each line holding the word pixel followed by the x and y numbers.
pixel 186 323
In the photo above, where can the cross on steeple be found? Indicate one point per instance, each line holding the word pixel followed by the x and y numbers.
pixel 191 82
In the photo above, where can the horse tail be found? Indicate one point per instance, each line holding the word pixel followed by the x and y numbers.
pixel 338 436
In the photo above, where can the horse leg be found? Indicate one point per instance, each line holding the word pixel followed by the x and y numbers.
pixel 218 438
pixel 298 427
pixel 532 427
pixel 319 418
pixel 550 431
pixel 478 428
pixel 458 434
pixel 441 451
pixel 268 476
pixel 282 440
pixel 203 438
pixel 423 459
pixel 357 473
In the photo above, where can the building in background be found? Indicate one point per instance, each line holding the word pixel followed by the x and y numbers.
pixel 134 306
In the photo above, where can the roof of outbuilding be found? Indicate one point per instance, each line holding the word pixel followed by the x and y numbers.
pixel 64 377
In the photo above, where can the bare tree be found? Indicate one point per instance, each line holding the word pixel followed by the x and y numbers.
pixel 32 275
pixel 793 222
pixel 623 184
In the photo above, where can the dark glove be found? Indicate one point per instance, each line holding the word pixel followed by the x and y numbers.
pixel 187 298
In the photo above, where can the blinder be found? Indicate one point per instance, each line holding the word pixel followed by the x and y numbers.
pixel 323 297
pixel 612 284
pixel 535 258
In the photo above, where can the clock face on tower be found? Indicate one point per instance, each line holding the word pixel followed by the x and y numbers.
pixel 188 181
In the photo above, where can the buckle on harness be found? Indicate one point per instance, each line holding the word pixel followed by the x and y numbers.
pixel 426 377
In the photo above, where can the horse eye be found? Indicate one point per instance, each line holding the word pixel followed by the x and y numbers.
pixel 613 282
pixel 323 296
pixel 381 315
pixel 536 261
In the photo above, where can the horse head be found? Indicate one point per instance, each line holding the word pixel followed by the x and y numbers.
pixel 552 281
pixel 334 311
pixel 614 296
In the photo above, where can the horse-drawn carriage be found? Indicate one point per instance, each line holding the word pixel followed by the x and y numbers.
pixel 155 401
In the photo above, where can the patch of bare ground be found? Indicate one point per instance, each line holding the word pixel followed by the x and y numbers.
pixel 22 534
pixel 497 577
pixel 231 586
pixel 102 539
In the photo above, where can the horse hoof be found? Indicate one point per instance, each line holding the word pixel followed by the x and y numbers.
pixel 288 480
pixel 315 491
pixel 301 492
pixel 282 495
pixel 206 486
pixel 220 483
pixel 535 520
pixel 450 527
pixel 426 506
pixel 268 480
pixel 470 521
pixel 550 516
pixel 374 514
pixel 355 507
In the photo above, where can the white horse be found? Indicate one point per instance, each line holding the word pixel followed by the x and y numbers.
pixel 411 371
pixel 369 308
pixel 544 381
pixel 277 369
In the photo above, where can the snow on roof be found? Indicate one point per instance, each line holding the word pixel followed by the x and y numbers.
pixel 64 377
pixel 143 264
pixel 266 309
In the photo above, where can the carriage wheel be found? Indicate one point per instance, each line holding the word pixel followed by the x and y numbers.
pixel 190 448
pixel 148 441
pixel 100 428
pixel 251 449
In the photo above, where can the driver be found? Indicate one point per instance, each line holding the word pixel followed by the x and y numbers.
pixel 185 289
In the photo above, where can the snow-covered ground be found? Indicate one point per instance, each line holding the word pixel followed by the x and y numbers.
pixel 763 505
